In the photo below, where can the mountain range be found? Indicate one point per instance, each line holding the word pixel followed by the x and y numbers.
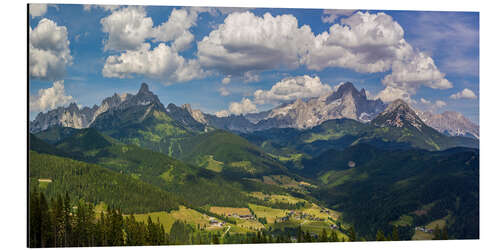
pixel 344 102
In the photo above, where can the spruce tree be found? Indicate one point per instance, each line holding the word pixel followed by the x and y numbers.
pixel 395 233
pixel 380 236
pixel 352 234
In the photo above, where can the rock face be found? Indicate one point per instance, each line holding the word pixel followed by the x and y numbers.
pixel 193 119
pixel 70 116
pixel 399 114
pixel 346 102
pixel 451 123
pixel 74 117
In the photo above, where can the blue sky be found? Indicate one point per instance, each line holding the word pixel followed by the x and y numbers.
pixel 430 59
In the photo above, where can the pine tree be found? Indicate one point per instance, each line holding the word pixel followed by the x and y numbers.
pixel 380 236
pixel 46 235
pixel 437 233
pixel 67 220
pixel 444 233
pixel 395 233
pixel 323 237
pixel 334 236
pixel 352 234
pixel 35 219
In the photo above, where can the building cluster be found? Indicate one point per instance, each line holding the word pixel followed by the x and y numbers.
pixel 298 216
pixel 423 229
pixel 215 223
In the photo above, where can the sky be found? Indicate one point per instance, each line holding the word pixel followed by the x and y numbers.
pixel 235 61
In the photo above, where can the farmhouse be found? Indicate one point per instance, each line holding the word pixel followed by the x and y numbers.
pixel 423 229
pixel 216 223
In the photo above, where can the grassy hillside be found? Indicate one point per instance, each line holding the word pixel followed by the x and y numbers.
pixel 96 184
pixel 145 126
pixel 227 152
pixel 196 185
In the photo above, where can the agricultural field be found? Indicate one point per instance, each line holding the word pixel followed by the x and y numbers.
pixel 271 214
pixel 44 182
pixel 188 215
pixel 210 163
pixel 419 235
pixel 403 221
pixel 228 211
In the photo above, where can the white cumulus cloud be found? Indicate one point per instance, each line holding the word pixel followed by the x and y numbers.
pixel 243 107
pixel 37 9
pixel 49 52
pixel 177 29
pixel 127 28
pixel 223 91
pixel 329 16
pixel 222 113
pixel 246 42
pixel 226 80
pixel 425 101
pixel 50 98
pixel 363 42
pixel 161 62
pixel 440 104
pixel 464 94
pixel 292 88
pixel 88 7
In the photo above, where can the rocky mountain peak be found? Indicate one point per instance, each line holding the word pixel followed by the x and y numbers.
pixel 346 87
pixel 363 92
pixel 144 89
pixel 73 116
pixel 398 114
pixel 450 122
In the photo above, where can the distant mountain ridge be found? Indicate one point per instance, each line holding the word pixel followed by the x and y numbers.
pixel 344 102
pixel 451 123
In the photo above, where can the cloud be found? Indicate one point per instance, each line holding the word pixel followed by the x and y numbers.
pixel 177 29
pixel 424 101
pixel 292 88
pixel 246 42
pixel 464 94
pixel 408 75
pixel 329 16
pixel 36 9
pixel 452 35
pixel 224 92
pixel 49 52
pixel 226 80
pixel 367 43
pixel 440 104
pixel 50 98
pixel 389 94
pixel 363 42
pixel 222 113
pixel 250 76
pixel 161 62
pixel 89 7
pixel 243 107
pixel 127 28
pixel 432 106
